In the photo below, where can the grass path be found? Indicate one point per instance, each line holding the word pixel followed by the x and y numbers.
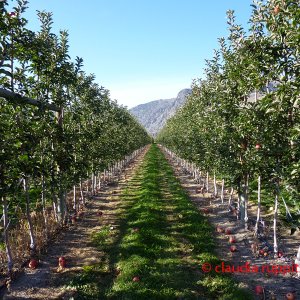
pixel 157 247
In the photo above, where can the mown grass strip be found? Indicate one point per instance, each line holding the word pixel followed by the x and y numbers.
pixel 159 247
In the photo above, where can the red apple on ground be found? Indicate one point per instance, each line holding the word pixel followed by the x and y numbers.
pixel 220 229
pixel 233 248
pixel 33 263
pixel 261 252
pixel 259 290
pixel 232 239
pixel 228 231
pixel 290 296
pixel 62 262
pixel 136 278
pixel 99 213
pixel 280 254
pixel 265 253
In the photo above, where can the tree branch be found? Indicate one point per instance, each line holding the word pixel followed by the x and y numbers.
pixel 14 97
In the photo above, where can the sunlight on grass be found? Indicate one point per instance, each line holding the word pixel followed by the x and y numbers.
pixel 160 246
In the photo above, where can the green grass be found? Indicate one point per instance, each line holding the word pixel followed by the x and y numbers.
pixel 167 251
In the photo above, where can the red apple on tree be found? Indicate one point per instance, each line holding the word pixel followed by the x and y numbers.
pixel 257 146
pixel 276 10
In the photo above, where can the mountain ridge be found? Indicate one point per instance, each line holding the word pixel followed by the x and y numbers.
pixel 154 114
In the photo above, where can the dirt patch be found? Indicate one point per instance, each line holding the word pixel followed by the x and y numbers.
pixel 275 285
pixel 74 243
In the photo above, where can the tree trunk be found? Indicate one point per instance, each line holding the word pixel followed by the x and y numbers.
pixel 207 182
pixel 258 205
pixel 222 191
pixel 215 187
pixel 275 224
pixel 61 207
pixel 297 262
pixel 246 193
pixel 81 192
pixel 32 245
pixel 6 239
pixel 74 198
pixel 44 206
pixel 93 184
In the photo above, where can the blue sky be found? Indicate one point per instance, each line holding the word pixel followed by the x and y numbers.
pixel 142 50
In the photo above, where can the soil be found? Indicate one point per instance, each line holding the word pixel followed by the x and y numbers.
pixel 218 214
pixel 48 281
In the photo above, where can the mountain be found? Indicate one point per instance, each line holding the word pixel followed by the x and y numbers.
pixel 153 115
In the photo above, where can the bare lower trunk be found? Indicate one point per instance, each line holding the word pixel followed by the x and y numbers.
pixel 44 207
pixel 275 224
pixel 215 186
pixel 297 262
pixel 93 184
pixel 207 182
pixel 61 207
pixel 258 205
pixel 246 192
pixel 32 245
pixel 81 192
pixel 74 198
pixel 222 191
pixel 6 239
pixel 99 181
pixel 230 197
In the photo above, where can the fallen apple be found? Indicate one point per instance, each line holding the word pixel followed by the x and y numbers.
pixel 62 262
pixel 232 239
pixel 136 278
pixel 33 263
pixel 220 229
pixel 99 213
pixel 259 290
pixel 261 251
pixel 290 296
pixel 233 248
pixel 228 231
pixel 280 254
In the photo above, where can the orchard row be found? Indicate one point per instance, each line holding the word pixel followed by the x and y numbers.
pixel 57 128
pixel 241 122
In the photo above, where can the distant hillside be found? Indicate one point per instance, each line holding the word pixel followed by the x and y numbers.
pixel 153 115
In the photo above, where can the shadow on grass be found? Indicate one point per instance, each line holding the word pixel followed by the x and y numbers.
pixel 159 246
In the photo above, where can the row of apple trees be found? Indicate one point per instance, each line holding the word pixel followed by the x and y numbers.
pixel 57 126
pixel 242 121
